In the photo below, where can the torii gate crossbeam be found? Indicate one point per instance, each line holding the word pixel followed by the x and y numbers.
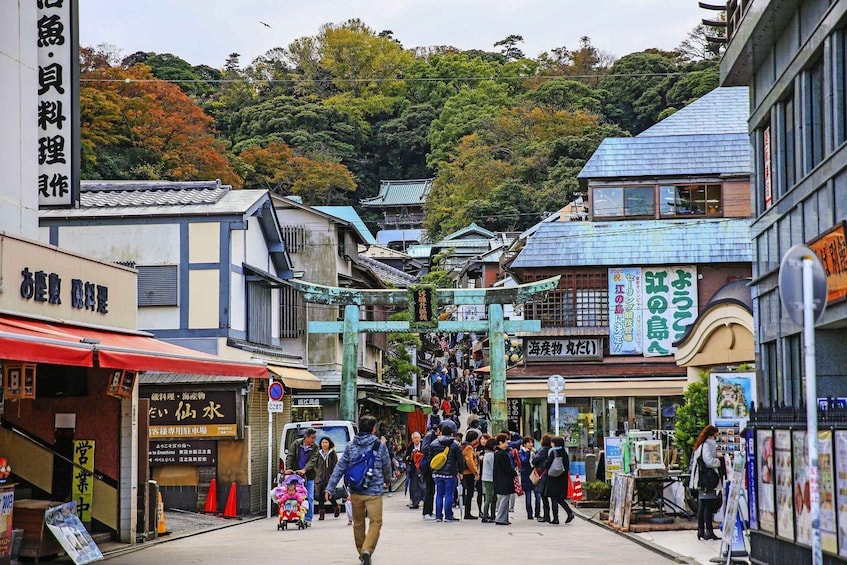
pixel 495 326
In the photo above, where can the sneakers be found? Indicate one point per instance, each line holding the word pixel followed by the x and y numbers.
pixel 439 519
pixel 429 517
pixel 453 519
pixel 366 558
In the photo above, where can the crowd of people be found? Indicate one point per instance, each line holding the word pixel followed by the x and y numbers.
pixel 447 469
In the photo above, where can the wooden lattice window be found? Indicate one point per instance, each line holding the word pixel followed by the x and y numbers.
pixel 582 300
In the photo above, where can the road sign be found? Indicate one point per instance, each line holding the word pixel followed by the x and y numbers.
pixel 275 391
pixel 791 283
pixel 556 383
pixel 554 398
pixel 275 406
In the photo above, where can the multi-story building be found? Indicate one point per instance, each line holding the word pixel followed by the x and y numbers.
pixel 668 225
pixel 792 55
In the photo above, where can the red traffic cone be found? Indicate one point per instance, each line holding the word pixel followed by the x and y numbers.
pixel 212 498
pixel 229 511
pixel 577 488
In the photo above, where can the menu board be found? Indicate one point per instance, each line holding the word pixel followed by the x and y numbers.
pixel 765 480
pixel 69 531
pixel 801 488
pixel 829 538
pixel 784 485
pixel 841 489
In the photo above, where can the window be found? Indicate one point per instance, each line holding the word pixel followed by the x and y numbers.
pixel 582 300
pixel 608 202
pixel 814 115
pixel 158 285
pixel 787 152
pixel 259 313
pixel 294 238
pixel 628 201
pixel 291 313
pixel 639 201
pixel 691 200
pixel 840 81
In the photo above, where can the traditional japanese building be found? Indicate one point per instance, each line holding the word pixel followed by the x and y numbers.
pixel 401 203
pixel 668 225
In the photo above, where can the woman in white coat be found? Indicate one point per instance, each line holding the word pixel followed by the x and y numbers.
pixel 705 478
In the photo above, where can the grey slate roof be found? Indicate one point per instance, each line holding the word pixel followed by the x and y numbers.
pixel 154 378
pixel 387 273
pixel 636 243
pixel 723 110
pixel 400 192
pixel 707 137
pixel 160 198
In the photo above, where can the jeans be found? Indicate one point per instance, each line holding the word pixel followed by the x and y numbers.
pixel 538 498
pixel 444 488
pixel 370 506
pixel 529 494
pixel 310 488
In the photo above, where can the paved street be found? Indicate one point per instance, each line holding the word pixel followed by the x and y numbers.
pixel 405 538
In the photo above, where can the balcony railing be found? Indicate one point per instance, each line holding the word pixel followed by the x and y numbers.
pixel 735 10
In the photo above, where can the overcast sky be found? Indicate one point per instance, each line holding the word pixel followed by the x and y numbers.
pixel 206 31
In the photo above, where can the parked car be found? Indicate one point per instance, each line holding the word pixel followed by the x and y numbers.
pixel 339 431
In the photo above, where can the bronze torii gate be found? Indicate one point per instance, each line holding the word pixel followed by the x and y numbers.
pixel 425 300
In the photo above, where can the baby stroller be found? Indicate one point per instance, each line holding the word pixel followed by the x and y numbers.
pixel 292 501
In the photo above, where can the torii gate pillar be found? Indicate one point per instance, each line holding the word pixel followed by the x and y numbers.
pixel 350 363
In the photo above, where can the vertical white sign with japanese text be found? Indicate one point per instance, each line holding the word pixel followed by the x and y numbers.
pixel 57 97
pixel 625 311
pixel 670 306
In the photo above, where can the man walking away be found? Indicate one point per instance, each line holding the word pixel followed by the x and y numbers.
pixel 367 502
pixel 302 459
pixel 446 474
pixel 471 473
pixel 426 472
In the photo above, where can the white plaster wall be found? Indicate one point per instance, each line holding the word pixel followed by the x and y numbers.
pixel 18 126
pixel 256 248
pixel 237 252
pixel 158 317
pixel 203 299
pixel 148 244
pixel 237 302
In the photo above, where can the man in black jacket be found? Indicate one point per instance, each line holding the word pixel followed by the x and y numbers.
pixel 446 477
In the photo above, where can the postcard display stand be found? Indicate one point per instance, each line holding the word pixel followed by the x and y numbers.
pixel 732 528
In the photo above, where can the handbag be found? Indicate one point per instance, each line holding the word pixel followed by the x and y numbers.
pixel 557 467
pixel 708 478
pixel 535 477
pixel 518 487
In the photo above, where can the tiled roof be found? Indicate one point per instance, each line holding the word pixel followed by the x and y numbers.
pixel 723 110
pixel 388 273
pixel 471 229
pixel 676 155
pixel 647 242
pixel 707 137
pixel 159 198
pixel 400 192
pixel 349 214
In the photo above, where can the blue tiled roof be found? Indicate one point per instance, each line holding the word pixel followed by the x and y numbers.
pixel 400 192
pixel 707 137
pixel 349 214
pixel 647 242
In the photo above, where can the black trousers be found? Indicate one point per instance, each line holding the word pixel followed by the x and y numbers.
pixel 479 496
pixel 705 516
pixel 556 502
pixel 429 494
pixel 468 486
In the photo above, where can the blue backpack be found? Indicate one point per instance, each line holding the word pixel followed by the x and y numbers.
pixel 359 473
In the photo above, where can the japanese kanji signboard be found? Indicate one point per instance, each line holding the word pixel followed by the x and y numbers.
pixel 58 131
pixel 199 453
pixel 193 413
pixel 83 477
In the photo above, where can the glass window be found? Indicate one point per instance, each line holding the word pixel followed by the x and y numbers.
pixel 787 150
pixel 670 405
pixel 647 413
pixel 814 118
pixel 691 200
pixel 841 87
pixel 638 201
pixel 608 202
pixel 534 419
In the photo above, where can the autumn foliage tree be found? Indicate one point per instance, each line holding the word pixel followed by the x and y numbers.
pixel 136 126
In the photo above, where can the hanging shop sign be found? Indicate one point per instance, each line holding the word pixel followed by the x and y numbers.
pixel 625 311
pixel 831 249
pixel 19 380
pixel 423 305
pixel 514 415
pixel 121 383
pixel 299 401
pixel 193 452
pixel 564 349
pixel 194 413
pixel 58 103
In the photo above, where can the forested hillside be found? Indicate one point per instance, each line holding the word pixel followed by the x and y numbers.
pixel 329 115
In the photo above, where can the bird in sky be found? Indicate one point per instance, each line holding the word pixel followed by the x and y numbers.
pixel 264 24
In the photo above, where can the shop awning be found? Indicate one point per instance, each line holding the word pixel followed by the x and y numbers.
pixel 607 387
pixel 23 339
pixel 382 401
pixel 293 377
pixel 408 405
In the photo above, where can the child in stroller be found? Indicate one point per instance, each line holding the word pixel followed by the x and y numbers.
pixel 293 502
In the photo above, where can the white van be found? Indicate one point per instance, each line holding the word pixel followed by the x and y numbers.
pixel 339 431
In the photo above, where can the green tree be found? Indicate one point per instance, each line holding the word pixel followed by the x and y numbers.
pixel 692 417
pixel 509 47
pixel 399 367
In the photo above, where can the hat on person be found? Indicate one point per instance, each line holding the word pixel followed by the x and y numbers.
pixel 434 421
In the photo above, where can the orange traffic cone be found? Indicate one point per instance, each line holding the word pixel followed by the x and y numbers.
pixel 212 498
pixel 577 488
pixel 229 511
